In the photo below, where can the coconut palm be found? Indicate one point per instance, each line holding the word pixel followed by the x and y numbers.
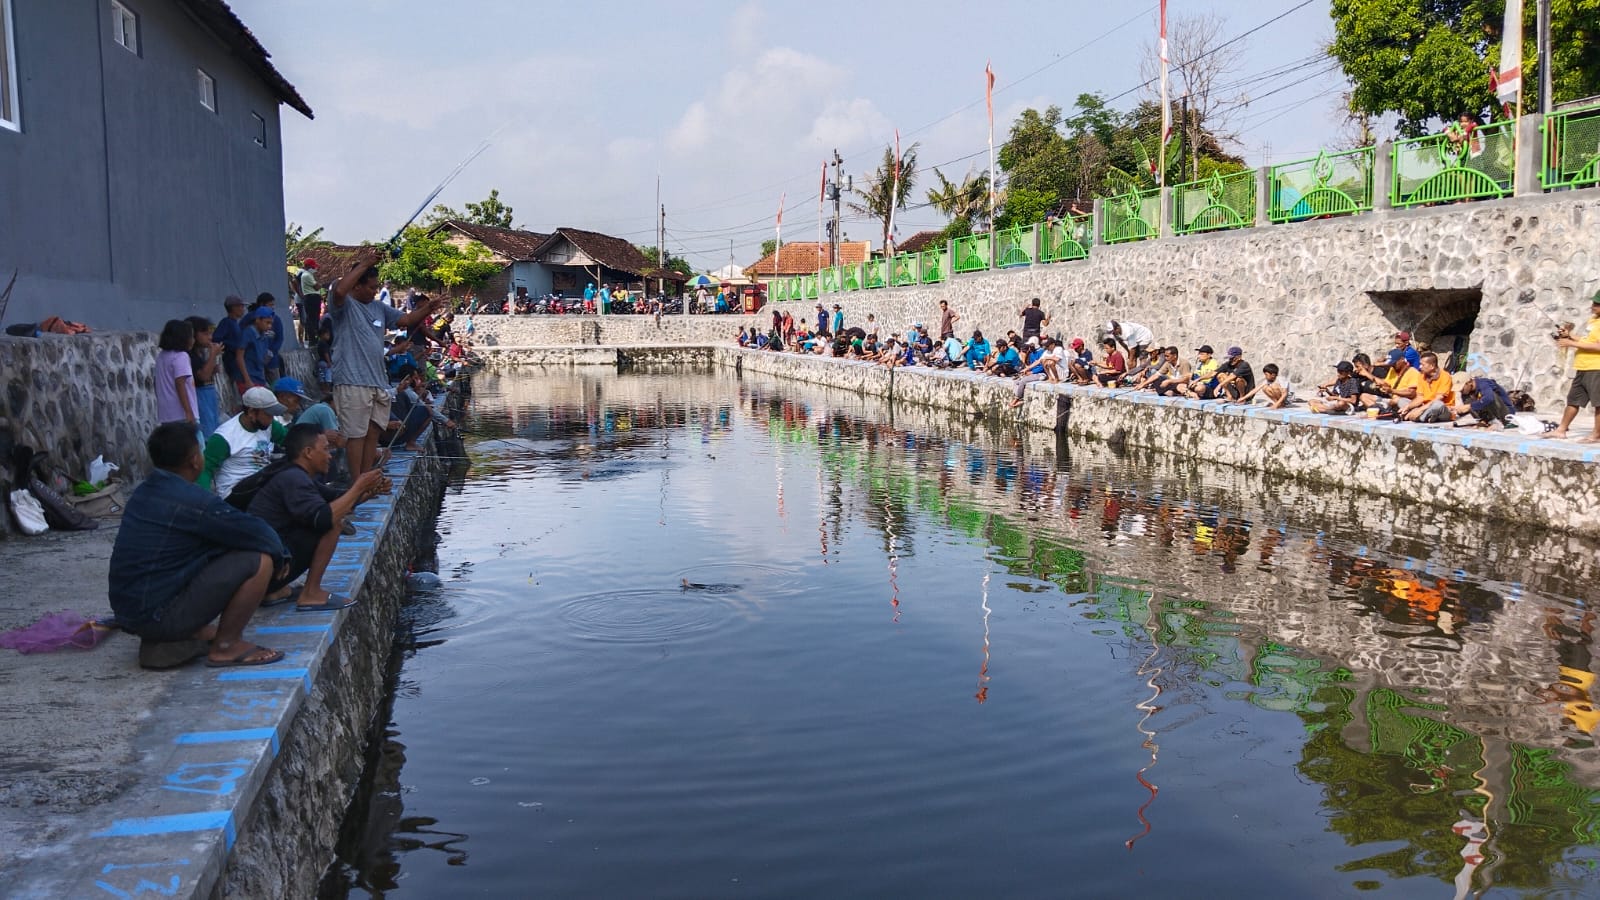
pixel 966 202
pixel 878 196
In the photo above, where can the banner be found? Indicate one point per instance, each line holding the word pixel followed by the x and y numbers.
pixel 1509 84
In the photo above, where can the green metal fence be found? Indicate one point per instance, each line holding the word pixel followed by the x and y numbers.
pixel 931 266
pixel 974 253
pixel 1437 169
pixel 830 280
pixel 877 273
pixel 1066 238
pixel 903 269
pixel 852 277
pixel 1332 184
pixel 808 287
pixel 1215 203
pixel 1134 216
pixel 1016 246
pixel 1571 149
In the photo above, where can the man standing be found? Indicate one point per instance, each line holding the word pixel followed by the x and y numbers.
pixel 274 336
pixel 258 346
pixel 838 319
pixel 1585 390
pixel 360 385
pixel 183 557
pixel 1033 320
pixel 230 336
pixel 948 319
pixel 1136 339
pixel 307 515
pixel 310 301
pixel 822 321
pixel 242 446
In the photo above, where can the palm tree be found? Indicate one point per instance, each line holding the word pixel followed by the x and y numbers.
pixel 966 202
pixel 876 200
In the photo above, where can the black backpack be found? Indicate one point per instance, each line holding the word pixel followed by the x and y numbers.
pixel 248 487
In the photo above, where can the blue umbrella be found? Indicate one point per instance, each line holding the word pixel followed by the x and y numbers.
pixel 700 281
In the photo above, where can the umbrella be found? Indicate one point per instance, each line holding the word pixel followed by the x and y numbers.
pixel 700 281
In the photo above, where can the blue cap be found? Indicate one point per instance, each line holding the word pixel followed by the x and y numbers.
pixel 262 312
pixel 287 385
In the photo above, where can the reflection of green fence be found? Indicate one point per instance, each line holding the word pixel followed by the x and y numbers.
pixel 931 267
pixel 1333 184
pixel 1015 246
pixel 1215 203
pixel 1436 169
pixel 1134 216
pixel 974 253
pixel 1571 149
pixel 877 273
pixel 1066 238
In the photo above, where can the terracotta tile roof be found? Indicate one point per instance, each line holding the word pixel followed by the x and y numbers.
pixel 918 242
pixel 333 261
pixel 806 257
pixel 611 252
pixel 216 16
pixel 509 243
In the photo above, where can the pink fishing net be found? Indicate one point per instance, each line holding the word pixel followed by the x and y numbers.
pixel 57 631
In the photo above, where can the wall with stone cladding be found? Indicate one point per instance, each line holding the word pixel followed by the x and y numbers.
pixel 1297 294
pixel 558 331
pixel 1502 475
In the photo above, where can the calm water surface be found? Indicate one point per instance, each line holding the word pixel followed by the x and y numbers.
pixel 696 636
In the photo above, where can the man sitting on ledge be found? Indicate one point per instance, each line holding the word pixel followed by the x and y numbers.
pixel 307 515
pixel 183 557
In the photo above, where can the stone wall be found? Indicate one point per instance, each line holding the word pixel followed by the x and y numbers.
pixel 1501 475
pixel 1308 294
pixel 564 331
pixel 540 357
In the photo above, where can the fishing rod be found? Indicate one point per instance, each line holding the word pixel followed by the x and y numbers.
pixel 393 244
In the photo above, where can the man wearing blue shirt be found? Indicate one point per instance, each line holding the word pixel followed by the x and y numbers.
pixel 183 557
pixel 266 301
pixel 258 346
pixel 230 336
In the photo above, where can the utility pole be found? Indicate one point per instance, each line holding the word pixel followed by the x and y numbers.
pixel 838 189
pixel 1546 97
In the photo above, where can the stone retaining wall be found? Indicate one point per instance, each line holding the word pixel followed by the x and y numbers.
pixel 1502 475
pixel 559 331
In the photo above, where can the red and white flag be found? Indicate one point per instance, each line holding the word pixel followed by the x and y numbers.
pixel 778 251
pixel 894 195
pixel 1166 104
pixel 988 101
pixel 1509 84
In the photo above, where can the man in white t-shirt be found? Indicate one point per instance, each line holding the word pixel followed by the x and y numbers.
pixel 242 446
pixel 1135 339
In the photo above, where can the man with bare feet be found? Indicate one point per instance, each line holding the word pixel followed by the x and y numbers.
pixel 184 557
pixel 307 515
pixel 1585 390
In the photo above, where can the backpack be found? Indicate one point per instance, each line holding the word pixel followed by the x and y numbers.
pixel 247 488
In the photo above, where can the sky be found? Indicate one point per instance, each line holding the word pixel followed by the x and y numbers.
pixel 734 105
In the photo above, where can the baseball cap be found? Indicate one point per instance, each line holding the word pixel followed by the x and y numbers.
pixel 231 301
pixel 1235 351
pixel 1033 342
pixel 1596 299
pixel 262 398
pixel 1402 335
pixel 1077 343
pixel 1204 348
pixel 308 263
pixel 1344 367
pixel 287 385
pixel 261 313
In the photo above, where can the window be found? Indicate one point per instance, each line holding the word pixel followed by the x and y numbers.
pixel 8 71
pixel 125 27
pixel 261 129
pixel 208 90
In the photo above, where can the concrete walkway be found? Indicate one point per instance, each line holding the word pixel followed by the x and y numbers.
pixel 117 781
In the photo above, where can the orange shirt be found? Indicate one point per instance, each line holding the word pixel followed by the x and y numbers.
pixel 1440 388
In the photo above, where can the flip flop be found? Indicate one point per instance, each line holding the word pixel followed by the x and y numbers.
pixel 292 596
pixel 242 658
pixel 334 602
pixel 170 654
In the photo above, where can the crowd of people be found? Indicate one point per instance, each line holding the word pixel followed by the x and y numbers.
pixel 241 507
pixel 1407 382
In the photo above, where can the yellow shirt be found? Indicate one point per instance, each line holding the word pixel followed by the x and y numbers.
pixel 1411 379
pixel 1588 360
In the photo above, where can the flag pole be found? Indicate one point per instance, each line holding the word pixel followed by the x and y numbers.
pixel 894 196
pixel 988 99
pixel 1166 104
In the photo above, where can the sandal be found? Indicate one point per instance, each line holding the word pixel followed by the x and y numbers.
pixel 243 654
pixel 333 603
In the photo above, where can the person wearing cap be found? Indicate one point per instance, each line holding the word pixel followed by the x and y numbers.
pixel 243 445
pixel 1203 378
pixel 1340 396
pixel 302 409
pixel 257 345
pixel 838 319
pixel 1485 401
pixel 1081 365
pixel 274 336
pixel 310 300
pixel 978 350
pixel 1034 320
pixel 947 320
pixel 1585 389
pixel 1006 360
pixel 183 557
pixel 1136 339
pixel 1235 377
pixel 822 321
pixel 230 335
pixel 360 384
pixel 1399 386
pixel 1402 344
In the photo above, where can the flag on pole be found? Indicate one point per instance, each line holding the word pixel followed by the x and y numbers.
pixel 1509 84
pixel 1166 104
pixel 894 196
pixel 988 101
pixel 778 251
pixel 822 196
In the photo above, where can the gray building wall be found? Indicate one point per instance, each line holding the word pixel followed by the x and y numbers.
pixel 123 201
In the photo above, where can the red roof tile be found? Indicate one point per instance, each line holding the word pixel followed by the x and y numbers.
pixel 918 242
pixel 806 257
pixel 508 243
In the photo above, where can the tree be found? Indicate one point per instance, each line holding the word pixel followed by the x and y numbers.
pixel 441 214
pixel 1037 160
pixel 966 202
pixel 428 261
pixel 879 195
pixel 1424 60
pixel 297 243
pixel 674 263
pixel 469 266
pixel 769 247
pixel 490 211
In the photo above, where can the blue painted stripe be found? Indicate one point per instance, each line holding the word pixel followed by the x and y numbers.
pixel 301 675
pixel 292 629
pixel 345 567
pixel 238 734
pixel 175 824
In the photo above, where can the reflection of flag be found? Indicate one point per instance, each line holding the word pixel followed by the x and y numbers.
pixel 1510 80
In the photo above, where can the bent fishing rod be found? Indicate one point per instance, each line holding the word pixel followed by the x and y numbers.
pixel 393 244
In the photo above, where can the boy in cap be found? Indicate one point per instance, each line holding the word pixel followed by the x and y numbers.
pixel 1585 389
pixel 258 346
pixel 1402 345
pixel 1342 395
pixel 1203 380
pixel 1235 378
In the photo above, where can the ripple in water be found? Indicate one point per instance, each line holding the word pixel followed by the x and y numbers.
pixel 651 616
pixel 749 578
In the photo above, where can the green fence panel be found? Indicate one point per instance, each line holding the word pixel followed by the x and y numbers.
pixel 1066 238
pixel 904 271
pixel 1134 216
pixel 974 253
pixel 830 280
pixel 808 287
pixel 877 273
pixel 931 268
pixel 1571 149
pixel 1215 203
pixel 1332 184
pixel 1435 169
pixel 1015 247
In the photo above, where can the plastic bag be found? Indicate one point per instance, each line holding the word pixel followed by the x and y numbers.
pixel 28 512
pixel 57 631
pixel 100 470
